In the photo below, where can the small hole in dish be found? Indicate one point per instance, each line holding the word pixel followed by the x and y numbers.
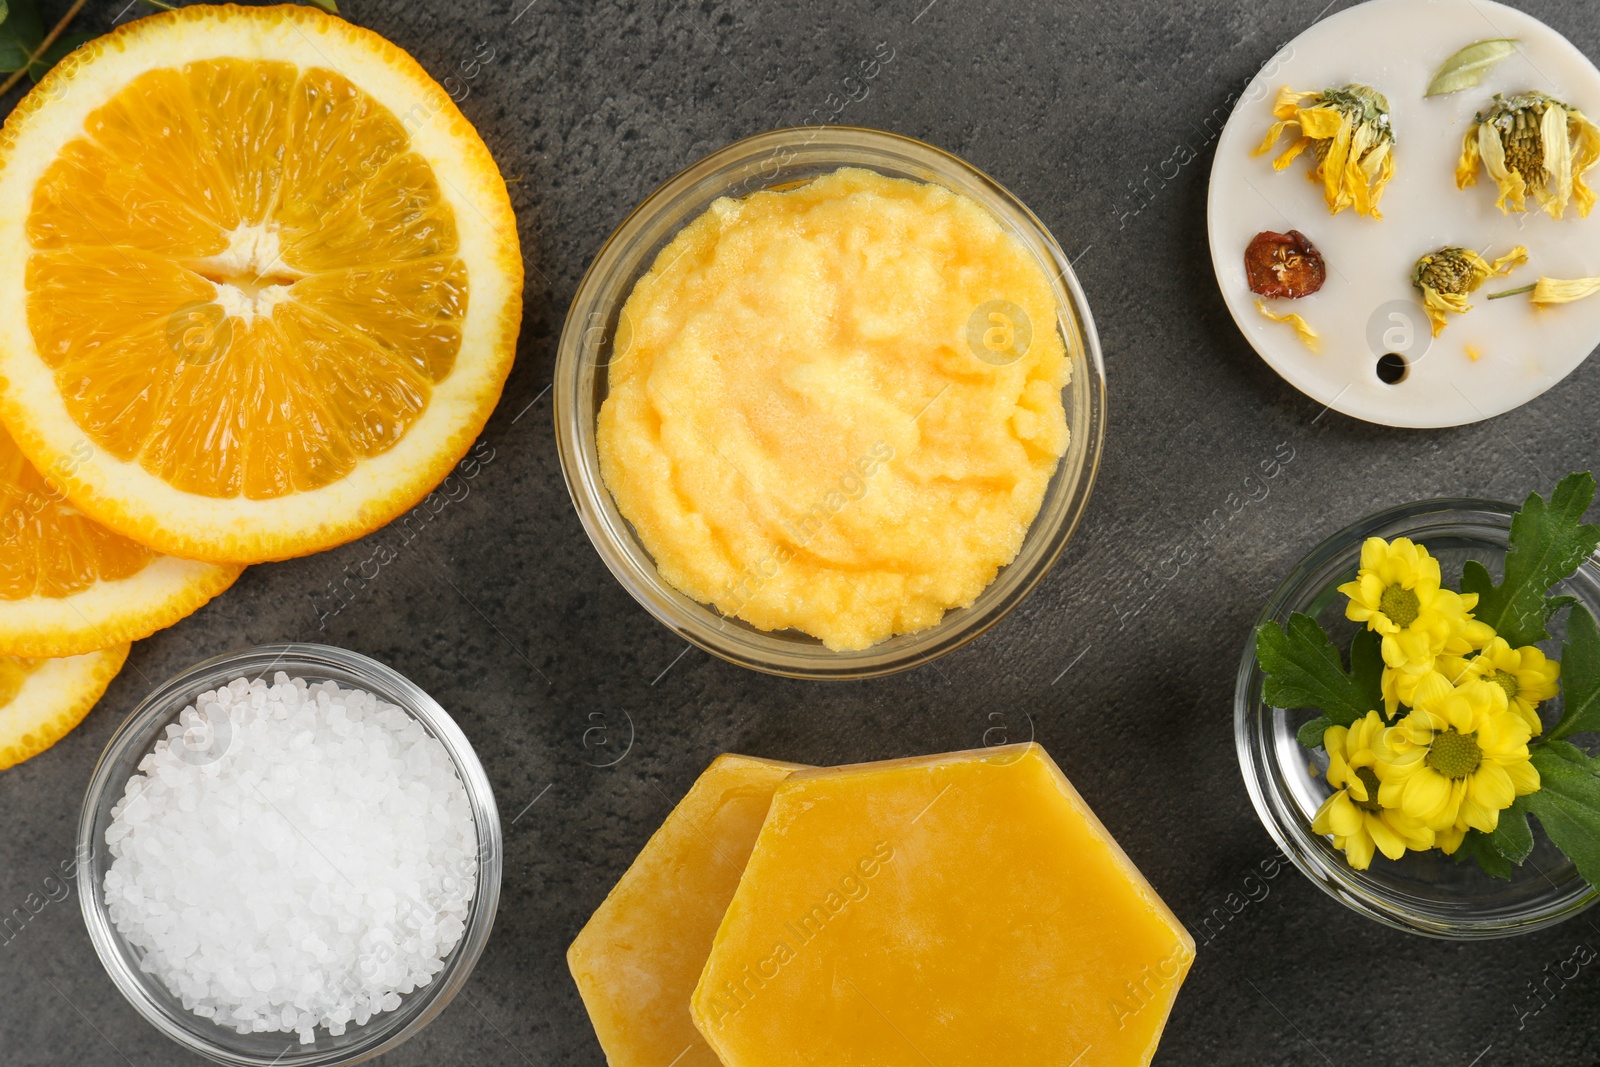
pixel 1392 368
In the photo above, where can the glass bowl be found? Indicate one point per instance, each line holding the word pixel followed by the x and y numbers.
pixel 1422 892
pixel 138 735
pixel 784 159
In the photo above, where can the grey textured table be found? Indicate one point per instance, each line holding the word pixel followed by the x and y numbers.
pixel 503 611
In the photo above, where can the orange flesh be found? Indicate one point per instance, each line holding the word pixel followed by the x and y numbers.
pixel 243 279
pixel 13 672
pixel 50 548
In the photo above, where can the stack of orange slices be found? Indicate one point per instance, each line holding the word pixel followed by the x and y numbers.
pixel 260 287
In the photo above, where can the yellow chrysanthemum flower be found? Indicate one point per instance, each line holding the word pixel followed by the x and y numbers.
pixel 1446 277
pixel 1349 132
pixel 1397 595
pixel 1401 687
pixel 1457 761
pixel 1358 823
pixel 1445 672
pixel 1532 143
pixel 1526 674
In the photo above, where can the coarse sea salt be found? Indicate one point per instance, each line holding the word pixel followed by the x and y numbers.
pixel 292 857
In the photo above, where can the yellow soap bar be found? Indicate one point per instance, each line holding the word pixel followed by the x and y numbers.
pixel 637 959
pixel 959 909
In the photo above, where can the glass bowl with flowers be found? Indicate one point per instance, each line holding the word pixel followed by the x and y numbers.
pixel 1416 711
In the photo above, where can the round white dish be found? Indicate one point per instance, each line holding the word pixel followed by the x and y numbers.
pixel 1368 307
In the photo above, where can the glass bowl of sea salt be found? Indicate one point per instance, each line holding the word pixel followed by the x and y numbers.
pixel 294 858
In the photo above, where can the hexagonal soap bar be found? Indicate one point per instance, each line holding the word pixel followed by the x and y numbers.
pixel 958 909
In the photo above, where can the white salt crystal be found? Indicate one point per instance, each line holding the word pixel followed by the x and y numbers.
pixel 317 871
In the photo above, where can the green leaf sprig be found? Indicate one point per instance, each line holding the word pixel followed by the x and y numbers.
pixel 1548 541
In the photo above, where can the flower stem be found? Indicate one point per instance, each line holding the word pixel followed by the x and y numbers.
pixel 1514 292
pixel 44 45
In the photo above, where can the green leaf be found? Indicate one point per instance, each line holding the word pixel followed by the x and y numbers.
pixel 1478 847
pixel 1548 541
pixel 1304 671
pixel 327 5
pixel 59 49
pixel 3 10
pixel 1569 752
pixel 1366 666
pixel 1568 804
pixel 1580 676
pixel 1310 735
pixel 20 34
pixel 1467 68
pixel 1512 837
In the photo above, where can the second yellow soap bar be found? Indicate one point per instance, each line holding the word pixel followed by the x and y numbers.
pixel 965 909
pixel 637 959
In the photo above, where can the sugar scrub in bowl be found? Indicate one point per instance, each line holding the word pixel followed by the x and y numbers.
pixel 295 857
pixel 830 402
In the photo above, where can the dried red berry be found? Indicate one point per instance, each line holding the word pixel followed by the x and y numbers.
pixel 1284 264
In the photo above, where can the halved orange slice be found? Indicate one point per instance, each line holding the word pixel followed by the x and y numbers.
pixel 68 585
pixel 41 700
pixel 259 272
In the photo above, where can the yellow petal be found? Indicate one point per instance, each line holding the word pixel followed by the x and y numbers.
pixel 1549 291
pixel 1302 329
pixel 1430 687
pixel 1426 797
pixel 1504 265
pixel 1323 122
pixel 1358 851
pixel 1557 159
pixel 1288 102
pixel 1353 181
pixel 1449 840
pixel 1509 182
pixel 1504 735
pixel 1491 788
pixel 1385 172
pixel 1524 777
pixel 1274 132
pixel 1333 190
pixel 1438 305
pixel 1467 169
pixel 1476 816
pixel 1586 154
pixel 1389 843
pixel 1377 167
pixel 1291 153
pixel 1344 818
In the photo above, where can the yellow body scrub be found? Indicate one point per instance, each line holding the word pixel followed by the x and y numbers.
pixel 836 407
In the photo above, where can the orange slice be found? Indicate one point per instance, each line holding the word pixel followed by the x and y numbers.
pixel 68 585
pixel 260 282
pixel 41 700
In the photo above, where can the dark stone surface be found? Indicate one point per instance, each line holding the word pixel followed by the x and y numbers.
pixel 504 612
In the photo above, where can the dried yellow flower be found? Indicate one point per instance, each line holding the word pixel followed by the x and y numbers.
pixel 1444 278
pixel 1302 328
pixel 1349 132
pixel 1532 143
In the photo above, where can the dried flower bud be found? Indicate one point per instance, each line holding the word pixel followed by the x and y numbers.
pixel 1532 143
pixel 1350 134
pixel 1444 278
